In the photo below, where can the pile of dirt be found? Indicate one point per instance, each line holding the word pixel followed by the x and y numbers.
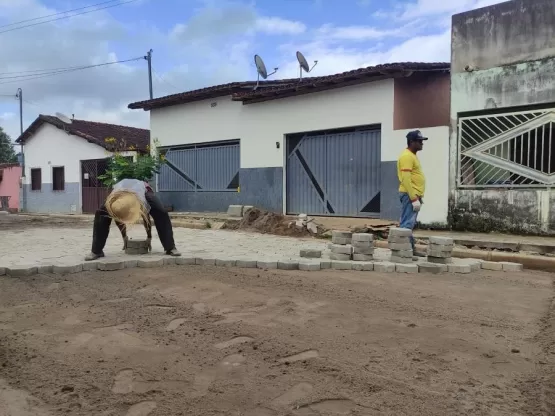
pixel 266 222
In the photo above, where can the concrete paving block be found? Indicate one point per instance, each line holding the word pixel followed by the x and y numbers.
pixel 440 260
pixel 401 260
pixel 111 265
pixel 309 266
pixel 363 266
pixel 47 268
pixel 398 240
pixel 459 268
pixel 400 232
pixel 384 267
pixel 492 265
pixel 403 253
pixel 406 268
pixel 246 208
pixel 288 265
pixel 267 264
pixel 341 265
pixel 400 247
pixel 246 264
pixel 444 241
pixel 512 267
pixel 430 268
pixel 226 262
pixel 67 269
pixel 363 257
pixel 169 261
pixel 311 254
pixel 440 254
pixel 21 271
pixel 339 249
pixel 150 263
pixel 342 234
pixel 325 264
pixel 363 237
pixel 131 264
pixel 367 251
pixel 235 210
pixel 205 261
pixel 341 241
pixel 186 261
pixel 340 257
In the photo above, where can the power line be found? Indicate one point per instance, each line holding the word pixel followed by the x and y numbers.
pixel 62 71
pixel 57 14
pixel 67 17
pixel 163 79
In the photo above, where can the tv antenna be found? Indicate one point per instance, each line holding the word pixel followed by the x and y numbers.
pixel 261 69
pixel 303 65
pixel 63 118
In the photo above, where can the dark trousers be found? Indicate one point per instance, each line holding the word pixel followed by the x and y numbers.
pixel 102 222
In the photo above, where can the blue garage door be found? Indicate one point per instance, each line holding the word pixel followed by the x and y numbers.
pixel 334 174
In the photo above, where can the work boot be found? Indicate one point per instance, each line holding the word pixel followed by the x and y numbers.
pixel 92 256
pixel 173 252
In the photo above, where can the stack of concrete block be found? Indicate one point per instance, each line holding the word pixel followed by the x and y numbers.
pixel 400 246
pixel 440 250
pixel 363 247
pixel 341 249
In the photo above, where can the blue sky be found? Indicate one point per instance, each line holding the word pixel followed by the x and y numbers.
pixel 198 43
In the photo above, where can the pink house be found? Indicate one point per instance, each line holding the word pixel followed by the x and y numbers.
pixel 10 174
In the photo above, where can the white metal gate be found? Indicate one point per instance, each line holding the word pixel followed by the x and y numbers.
pixel 507 150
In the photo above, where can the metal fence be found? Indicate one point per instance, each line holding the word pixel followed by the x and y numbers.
pixel 201 168
pixel 507 150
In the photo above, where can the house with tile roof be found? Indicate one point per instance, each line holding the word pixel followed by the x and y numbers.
pixel 64 158
pixel 318 145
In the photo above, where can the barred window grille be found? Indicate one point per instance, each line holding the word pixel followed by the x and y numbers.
pixel 201 168
pixel 507 150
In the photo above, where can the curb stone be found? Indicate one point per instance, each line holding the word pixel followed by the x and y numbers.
pixel 340 257
pixel 150 263
pixel 341 265
pixel 363 266
pixel 247 264
pixel 226 262
pixel 288 265
pixel 67 269
pixel 430 268
pixel 183 261
pixel 21 271
pixel 459 268
pixel 89 266
pixel 512 267
pixel 205 262
pixel 131 264
pixel 267 265
pixel 111 265
pixel 310 266
pixel 384 267
pixel 46 269
pixel 490 265
pixel 325 264
pixel 406 268
pixel 169 261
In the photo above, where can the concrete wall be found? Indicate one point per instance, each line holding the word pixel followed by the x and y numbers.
pixel 10 185
pixel 50 147
pixel 511 54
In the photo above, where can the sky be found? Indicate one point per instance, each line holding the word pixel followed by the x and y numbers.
pixel 198 43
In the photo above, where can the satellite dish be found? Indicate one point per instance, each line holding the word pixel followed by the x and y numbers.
pixel 261 69
pixel 63 118
pixel 303 65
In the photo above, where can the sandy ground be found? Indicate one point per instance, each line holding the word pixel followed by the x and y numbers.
pixel 215 341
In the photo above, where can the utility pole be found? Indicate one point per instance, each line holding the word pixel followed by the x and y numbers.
pixel 148 58
pixel 20 96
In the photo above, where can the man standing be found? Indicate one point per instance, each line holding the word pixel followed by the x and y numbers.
pixel 412 181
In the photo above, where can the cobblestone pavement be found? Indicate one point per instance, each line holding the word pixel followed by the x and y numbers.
pixel 63 246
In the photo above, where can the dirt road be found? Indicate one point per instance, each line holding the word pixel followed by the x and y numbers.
pixel 214 341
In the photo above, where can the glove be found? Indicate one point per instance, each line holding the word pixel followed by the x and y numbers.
pixel 416 205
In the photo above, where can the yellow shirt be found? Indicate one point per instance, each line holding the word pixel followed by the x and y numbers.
pixel 408 162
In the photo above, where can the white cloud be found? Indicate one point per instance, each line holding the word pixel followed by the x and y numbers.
pixel 278 26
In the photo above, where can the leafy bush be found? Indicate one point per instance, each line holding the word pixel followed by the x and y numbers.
pixel 121 166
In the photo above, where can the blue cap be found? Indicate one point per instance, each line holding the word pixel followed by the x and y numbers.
pixel 415 135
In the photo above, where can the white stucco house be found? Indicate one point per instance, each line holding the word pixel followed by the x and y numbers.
pixel 322 145
pixel 64 159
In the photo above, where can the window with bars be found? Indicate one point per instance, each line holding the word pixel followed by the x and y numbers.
pixel 58 178
pixel 36 179
pixel 507 149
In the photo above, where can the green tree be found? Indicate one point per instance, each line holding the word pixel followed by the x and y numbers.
pixel 7 153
